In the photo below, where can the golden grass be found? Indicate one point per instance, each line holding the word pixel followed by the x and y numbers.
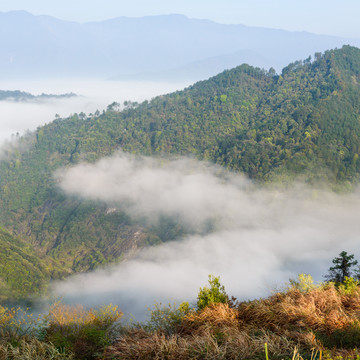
pixel 32 350
pixel 285 321
pixel 322 310
pixel 214 333
pixel 62 314
pixel 294 324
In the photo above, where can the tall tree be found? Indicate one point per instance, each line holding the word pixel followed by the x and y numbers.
pixel 342 268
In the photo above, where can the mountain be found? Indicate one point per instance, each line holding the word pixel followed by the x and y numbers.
pixel 202 69
pixel 17 95
pixel 42 46
pixel 304 122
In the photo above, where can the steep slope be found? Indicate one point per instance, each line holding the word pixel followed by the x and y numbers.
pixel 22 271
pixel 246 119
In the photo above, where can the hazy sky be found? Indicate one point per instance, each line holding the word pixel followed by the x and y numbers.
pixel 318 16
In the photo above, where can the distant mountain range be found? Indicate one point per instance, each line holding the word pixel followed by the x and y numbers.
pixel 168 47
pixel 17 95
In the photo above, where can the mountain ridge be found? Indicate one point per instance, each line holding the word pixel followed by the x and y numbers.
pixel 46 46
pixel 304 122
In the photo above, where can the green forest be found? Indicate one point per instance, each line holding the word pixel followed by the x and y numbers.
pixel 302 123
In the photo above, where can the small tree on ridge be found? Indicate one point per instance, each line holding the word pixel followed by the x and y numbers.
pixel 213 294
pixel 342 268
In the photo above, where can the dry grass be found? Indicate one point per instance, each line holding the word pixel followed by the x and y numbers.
pixel 214 333
pixel 285 321
pixel 323 310
pixel 32 350
pixel 322 321
pixel 79 331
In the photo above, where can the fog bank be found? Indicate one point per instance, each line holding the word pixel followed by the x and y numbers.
pixel 259 238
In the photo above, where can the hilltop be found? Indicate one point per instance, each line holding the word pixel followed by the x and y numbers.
pixel 305 321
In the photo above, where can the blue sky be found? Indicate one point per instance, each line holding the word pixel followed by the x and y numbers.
pixel 319 16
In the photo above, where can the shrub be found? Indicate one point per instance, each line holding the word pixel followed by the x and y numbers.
pixel 213 294
pixel 303 283
pixel 167 318
pixel 83 332
pixel 349 286
pixel 16 323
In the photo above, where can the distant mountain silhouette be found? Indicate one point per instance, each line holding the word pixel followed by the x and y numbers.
pixel 167 47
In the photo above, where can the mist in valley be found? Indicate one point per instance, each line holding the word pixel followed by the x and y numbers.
pixel 260 236
pixel 93 94
pixel 254 237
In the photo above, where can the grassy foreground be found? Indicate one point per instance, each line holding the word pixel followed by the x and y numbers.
pixel 302 322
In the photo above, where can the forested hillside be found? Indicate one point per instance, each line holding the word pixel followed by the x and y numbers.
pixel 250 120
pixel 22 270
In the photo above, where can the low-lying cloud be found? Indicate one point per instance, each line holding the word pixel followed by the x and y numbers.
pixel 260 237
pixel 94 94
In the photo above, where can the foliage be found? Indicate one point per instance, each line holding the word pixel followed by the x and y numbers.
pixel 213 294
pixel 22 271
pixel 79 331
pixel 303 283
pixel 349 286
pixel 16 323
pixel 304 122
pixel 167 318
pixel 342 268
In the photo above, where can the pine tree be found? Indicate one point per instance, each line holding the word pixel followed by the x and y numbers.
pixel 342 268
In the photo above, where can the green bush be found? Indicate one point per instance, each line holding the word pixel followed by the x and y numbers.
pixel 167 318
pixel 349 286
pixel 215 293
pixel 303 283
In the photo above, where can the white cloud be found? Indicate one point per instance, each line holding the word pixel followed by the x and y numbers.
pixel 262 236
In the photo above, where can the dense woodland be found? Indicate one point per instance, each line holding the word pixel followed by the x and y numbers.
pixel 271 127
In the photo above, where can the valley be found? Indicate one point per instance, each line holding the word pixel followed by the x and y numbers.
pixel 301 124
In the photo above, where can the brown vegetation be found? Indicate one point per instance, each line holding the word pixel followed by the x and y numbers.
pixel 323 320
pixel 312 323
